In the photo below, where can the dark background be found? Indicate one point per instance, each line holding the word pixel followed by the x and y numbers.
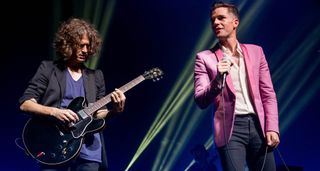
pixel 145 34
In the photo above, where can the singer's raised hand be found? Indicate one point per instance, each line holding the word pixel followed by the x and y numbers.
pixel 224 66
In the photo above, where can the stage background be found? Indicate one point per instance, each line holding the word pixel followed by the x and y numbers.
pixel 140 35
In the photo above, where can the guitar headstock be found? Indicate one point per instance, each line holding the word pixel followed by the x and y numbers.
pixel 155 74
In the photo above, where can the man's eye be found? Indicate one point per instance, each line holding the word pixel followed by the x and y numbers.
pixel 82 46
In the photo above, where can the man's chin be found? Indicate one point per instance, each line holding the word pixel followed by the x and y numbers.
pixel 221 37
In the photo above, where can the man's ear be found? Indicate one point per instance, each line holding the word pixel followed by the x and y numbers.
pixel 236 22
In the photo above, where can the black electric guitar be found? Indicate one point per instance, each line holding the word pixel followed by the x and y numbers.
pixel 51 142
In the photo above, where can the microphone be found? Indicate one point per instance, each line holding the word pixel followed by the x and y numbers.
pixel 224 75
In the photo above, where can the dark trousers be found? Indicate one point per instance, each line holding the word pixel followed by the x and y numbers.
pixel 76 165
pixel 247 147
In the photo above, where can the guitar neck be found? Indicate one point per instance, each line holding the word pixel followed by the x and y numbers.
pixel 107 99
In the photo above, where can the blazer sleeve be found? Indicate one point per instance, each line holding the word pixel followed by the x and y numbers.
pixel 207 83
pixel 38 84
pixel 268 96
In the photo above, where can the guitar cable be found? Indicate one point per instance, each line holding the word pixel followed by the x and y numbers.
pixel 264 159
pixel 282 159
pixel 18 145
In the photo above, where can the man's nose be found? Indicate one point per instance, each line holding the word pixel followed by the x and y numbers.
pixel 215 22
pixel 84 49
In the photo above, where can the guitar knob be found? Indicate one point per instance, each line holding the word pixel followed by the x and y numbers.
pixel 64 151
pixel 53 155
pixel 69 149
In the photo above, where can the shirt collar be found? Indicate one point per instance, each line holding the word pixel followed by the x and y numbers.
pixel 228 52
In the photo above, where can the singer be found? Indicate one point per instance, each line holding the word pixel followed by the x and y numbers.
pixel 235 77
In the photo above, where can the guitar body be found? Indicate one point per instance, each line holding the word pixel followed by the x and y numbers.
pixel 51 142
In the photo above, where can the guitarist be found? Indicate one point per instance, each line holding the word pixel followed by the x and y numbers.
pixel 57 83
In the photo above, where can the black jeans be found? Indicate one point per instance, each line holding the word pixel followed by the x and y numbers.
pixel 247 146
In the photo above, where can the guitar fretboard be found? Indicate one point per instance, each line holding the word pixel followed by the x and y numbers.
pixel 107 99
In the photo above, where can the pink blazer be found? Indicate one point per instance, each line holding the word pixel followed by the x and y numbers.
pixel 261 90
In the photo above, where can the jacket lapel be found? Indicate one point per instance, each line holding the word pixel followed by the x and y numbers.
pixel 89 85
pixel 248 63
pixel 229 83
pixel 61 79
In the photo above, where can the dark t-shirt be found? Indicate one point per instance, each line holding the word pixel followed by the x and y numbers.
pixel 91 148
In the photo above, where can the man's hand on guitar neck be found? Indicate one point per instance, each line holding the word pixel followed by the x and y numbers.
pixel 118 99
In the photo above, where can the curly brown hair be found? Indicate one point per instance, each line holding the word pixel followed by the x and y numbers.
pixel 69 34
